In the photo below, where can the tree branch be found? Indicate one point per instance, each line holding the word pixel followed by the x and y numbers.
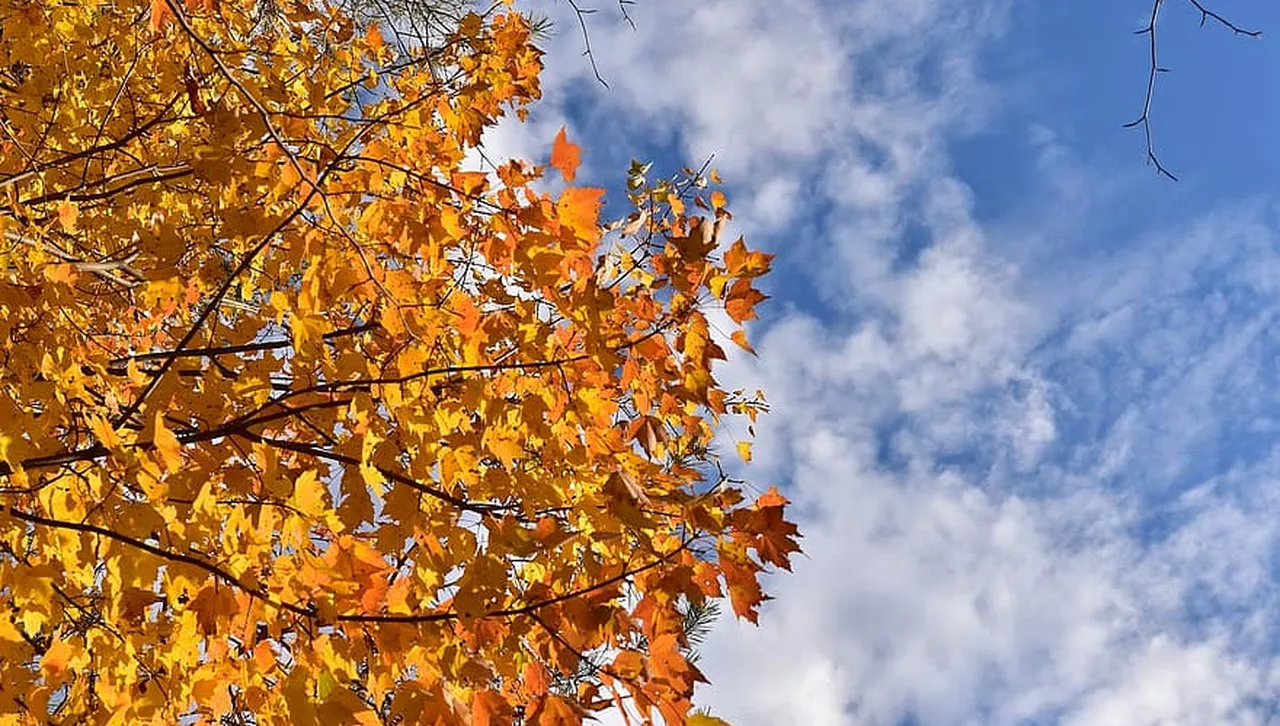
pixel 307 611
pixel 1144 120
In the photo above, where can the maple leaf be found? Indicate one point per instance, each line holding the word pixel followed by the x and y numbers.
pixel 489 708
pixel 161 14
pixel 740 304
pixel 57 657
pixel 309 495
pixel 565 156
pixel 579 208
pixel 68 214
pixel 740 337
pixel 167 444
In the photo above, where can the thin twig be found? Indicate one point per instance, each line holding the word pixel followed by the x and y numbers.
pixel 582 14
pixel 260 592
pixel 1151 32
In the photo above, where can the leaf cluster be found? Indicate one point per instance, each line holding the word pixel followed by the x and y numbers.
pixel 301 422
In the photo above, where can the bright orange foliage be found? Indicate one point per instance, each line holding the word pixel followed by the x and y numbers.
pixel 302 424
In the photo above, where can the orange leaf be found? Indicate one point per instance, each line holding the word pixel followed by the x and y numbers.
pixel 68 213
pixel 741 262
pixel 775 537
pixel 740 303
pixel 579 208
pixel 648 432
pixel 565 156
pixel 161 15
pixel 536 679
pixel 628 664
pixel 66 274
pixel 622 481
pixel 557 712
pixel 771 498
pixel 489 708
pixel 56 659
pixel 745 594
pixel 739 336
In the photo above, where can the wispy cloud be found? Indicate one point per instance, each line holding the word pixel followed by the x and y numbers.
pixel 1035 468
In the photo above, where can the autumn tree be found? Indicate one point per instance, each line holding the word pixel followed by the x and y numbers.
pixel 302 423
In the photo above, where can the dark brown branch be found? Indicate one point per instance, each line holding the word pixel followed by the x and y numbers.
pixel 299 447
pixel 365 384
pixel 308 611
pixel 164 554
pixel 1144 120
pixel 1206 14
pixel 98 451
pixel 257 417
pixel 582 14
pixel 523 609
pixel 119 364
pixel 92 150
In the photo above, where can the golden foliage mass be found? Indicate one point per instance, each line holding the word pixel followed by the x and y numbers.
pixel 300 423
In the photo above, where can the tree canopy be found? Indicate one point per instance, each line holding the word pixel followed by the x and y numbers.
pixel 301 422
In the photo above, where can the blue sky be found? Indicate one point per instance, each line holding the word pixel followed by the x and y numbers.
pixel 1025 392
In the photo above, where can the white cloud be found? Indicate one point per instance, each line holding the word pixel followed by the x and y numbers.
pixel 1000 456
pixel 1166 684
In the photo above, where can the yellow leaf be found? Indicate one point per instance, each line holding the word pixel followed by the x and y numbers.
pixel 33 620
pixel 309 494
pixel 744 450
pixel 104 433
pixel 504 445
pixel 325 685
pixel 167 445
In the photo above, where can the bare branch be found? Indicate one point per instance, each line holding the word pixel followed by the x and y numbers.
pixel 582 14
pixel 1152 34
pixel 1206 14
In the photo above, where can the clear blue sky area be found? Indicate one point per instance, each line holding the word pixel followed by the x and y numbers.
pixel 1080 69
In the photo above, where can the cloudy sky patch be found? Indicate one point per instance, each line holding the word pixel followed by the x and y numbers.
pixel 1024 392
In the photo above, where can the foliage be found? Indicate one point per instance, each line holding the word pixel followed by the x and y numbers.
pixel 303 423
